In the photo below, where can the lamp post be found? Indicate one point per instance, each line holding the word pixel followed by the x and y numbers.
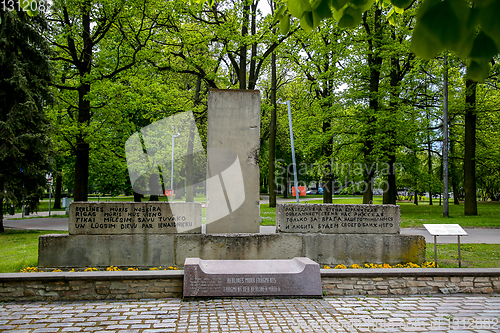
pixel 172 166
pixel 445 140
pixel 296 185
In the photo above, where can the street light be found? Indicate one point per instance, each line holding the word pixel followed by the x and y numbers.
pixel 293 149
pixel 172 166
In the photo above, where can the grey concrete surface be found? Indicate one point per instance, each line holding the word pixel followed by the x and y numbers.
pixel 330 314
pixel 233 143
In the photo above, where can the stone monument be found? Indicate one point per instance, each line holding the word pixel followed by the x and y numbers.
pixel 166 234
pixel 233 143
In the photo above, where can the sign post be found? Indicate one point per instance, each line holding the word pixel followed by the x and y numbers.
pixel 446 230
pixel 49 181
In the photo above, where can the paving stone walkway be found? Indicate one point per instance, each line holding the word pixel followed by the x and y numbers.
pixel 331 314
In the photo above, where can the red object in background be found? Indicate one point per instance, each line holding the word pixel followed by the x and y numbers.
pixel 302 191
pixel 169 193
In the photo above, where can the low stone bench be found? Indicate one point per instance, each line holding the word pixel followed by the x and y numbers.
pixel 250 278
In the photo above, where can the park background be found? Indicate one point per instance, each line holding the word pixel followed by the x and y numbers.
pixel 366 110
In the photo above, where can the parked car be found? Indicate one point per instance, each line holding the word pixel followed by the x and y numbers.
pixel 315 191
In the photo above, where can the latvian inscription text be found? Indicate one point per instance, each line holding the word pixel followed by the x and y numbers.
pixel 104 218
pixel 338 219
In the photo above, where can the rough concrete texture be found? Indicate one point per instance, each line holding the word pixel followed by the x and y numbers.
pixel 351 249
pixel 233 143
pixel 338 219
pixel 118 218
pixel 72 251
pixel 238 246
pixel 62 251
pixel 251 278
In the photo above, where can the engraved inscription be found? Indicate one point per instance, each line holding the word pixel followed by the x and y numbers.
pixel 127 217
pixel 332 218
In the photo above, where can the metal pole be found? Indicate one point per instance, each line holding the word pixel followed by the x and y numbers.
pixel 435 252
pixel 293 152
pixel 459 256
pixel 172 166
pixel 445 140
pixel 50 196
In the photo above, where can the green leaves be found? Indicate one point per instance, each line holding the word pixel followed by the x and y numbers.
pixel 299 7
pixel 351 17
pixel 401 3
pixel 452 24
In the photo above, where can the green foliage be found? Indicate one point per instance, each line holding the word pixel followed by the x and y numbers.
pixel 24 79
pixel 448 24
pixel 19 249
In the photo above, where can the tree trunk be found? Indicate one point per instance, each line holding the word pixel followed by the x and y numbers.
pixel 81 171
pixel 454 174
pixel 415 199
pixel 82 148
pixel 137 197
pixel 242 75
pixel 429 164
pixel 470 149
pixel 2 183
pixel 58 191
pixel 272 135
pixel 390 191
pixel 374 63
pixel 328 151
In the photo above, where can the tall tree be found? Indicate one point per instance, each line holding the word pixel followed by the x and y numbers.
pixel 24 91
pixel 470 206
pixel 93 42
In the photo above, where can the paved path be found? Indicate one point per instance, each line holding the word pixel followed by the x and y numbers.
pixel 476 235
pixel 343 314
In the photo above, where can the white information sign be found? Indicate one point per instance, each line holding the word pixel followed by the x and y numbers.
pixel 445 230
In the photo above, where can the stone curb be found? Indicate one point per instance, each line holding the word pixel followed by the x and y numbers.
pixel 179 274
pixel 100 275
pixel 409 272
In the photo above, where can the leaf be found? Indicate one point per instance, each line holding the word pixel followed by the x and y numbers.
pixel 401 3
pixel 423 44
pixel 399 10
pixel 285 24
pixel 444 20
pixel 365 5
pixel 278 16
pixel 351 18
pixel 464 47
pixel 484 48
pixel 489 20
pixel 338 4
pixel 306 22
pixel 322 9
pixel 478 70
pixel 211 3
pixel 298 7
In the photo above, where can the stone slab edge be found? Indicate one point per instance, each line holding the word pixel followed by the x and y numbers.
pixel 179 274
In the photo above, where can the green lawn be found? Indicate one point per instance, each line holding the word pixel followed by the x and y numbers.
pixel 415 215
pixel 19 249
pixel 473 255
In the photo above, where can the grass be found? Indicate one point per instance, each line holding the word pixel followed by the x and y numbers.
pixel 414 216
pixel 19 249
pixel 473 255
